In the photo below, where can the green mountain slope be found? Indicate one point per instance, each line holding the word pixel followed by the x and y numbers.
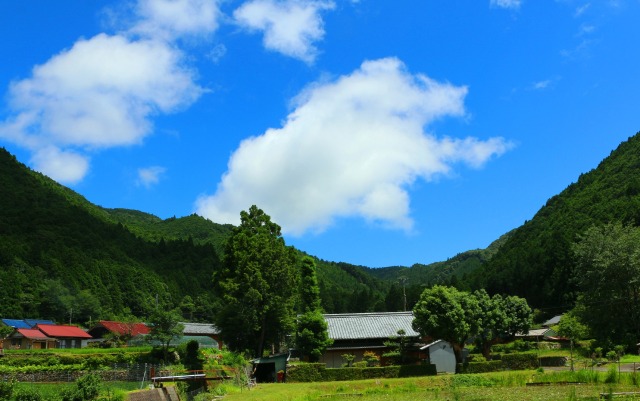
pixel 62 257
pixel 536 262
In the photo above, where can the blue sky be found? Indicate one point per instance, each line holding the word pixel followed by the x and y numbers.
pixel 374 132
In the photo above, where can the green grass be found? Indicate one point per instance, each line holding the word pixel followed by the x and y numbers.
pixel 506 386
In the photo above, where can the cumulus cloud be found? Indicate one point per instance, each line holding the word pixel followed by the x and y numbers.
pixel 100 93
pixel 63 166
pixel 170 19
pixel 150 176
pixel 350 147
pixel 290 27
pixel 104 91
pixel 506 3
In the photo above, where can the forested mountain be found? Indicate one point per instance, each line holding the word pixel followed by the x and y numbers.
pixel 536 261
pixel 64 258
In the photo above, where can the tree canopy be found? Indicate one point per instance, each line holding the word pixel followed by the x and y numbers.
pixel 312 337
pixel 608 262
pixel 449 314
pixel 256 286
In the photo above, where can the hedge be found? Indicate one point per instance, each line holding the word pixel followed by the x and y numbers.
pixel 315 372
pixel 521 361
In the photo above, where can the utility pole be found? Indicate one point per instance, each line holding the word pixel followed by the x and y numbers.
pixel 403 281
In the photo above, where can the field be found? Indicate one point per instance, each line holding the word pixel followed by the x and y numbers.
pixel 507 386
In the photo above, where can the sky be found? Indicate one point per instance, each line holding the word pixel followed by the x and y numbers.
pixel 378 133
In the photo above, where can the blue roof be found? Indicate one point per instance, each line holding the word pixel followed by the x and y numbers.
pixel 16 323
pixel 33 322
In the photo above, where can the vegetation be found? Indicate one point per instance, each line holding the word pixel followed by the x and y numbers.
pixel 312 336
pixel 537 262
pixel 256 286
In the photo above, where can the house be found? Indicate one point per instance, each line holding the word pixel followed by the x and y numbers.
pixel 357 333
pixel 441 354
pixel 206 334
pixel 552 322
pixel 122 330
pixel 29 339
pixel 67 336
pixel 542 334
pixel 15 323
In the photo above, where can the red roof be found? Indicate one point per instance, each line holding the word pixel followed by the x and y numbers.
pixel 57 331
pixel 121 328
pixel 33 334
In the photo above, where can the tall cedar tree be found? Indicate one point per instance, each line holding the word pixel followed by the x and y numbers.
pixel 312 337
pixel 256 285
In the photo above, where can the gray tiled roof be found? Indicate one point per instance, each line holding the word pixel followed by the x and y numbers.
pixel 199 329
pixel 359 326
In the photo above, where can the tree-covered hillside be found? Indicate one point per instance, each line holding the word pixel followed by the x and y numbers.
pixel 536 262
pixel 64 258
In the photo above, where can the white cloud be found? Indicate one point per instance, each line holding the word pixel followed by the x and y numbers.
pixel 581 10
pixel 170 19
pixel 63 166
pixel 104 91
pixel 506 3
pixel 542 84
pixel 351 147
pixel 290 27
pixel 150 176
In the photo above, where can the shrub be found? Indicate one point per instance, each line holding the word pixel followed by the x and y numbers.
pixel 480 367
pixel 371 358
pixel 6 389
pixel 27 394
pixel 87 388
pixel 521 361
pixel 306 372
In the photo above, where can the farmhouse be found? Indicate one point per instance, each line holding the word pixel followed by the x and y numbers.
pixel 357 333
pixel 67 336
pixel 29 339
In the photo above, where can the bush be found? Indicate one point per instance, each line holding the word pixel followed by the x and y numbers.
pixel 521 361
pixel 480 367
pixel 27 394
pixel 6 389
pixel 87 388
pixel 306 372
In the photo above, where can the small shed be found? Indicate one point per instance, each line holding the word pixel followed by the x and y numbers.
pixel 265 370
pixel 441 355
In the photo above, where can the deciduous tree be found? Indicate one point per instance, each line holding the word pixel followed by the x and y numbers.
pixel 608 272
pixel 448 314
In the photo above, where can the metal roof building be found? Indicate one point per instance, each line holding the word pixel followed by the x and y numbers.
pixel 365 326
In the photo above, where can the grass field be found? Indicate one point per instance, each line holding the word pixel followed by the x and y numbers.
pixel 506 386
